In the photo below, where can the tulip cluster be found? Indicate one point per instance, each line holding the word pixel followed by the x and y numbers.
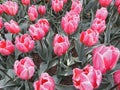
pixel 56 34
pixel 90 36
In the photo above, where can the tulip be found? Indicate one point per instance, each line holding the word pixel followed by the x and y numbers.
pixel 57 5
pixel 99 25
pixel 36 32
pixel 86 78
pixel 60 44
pixel 1 23
pixel 32 13
pixel 102 13
pixel 42 10
pixel 64 1
pixel 1 9
pixel 70 22
pixel 89 37
pixel 43 24
pixel 118 9
pixel 10 7
pixel 45 82
pixel 105 58
pixel 12 27
pixel 116 77
pixel 24 43
pixel 24 68
pixel 76 6
pixel 105 3
pixel 117 3
pixel 25 2
pixel 6 47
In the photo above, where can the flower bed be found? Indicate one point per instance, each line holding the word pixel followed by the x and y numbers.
pixel 59 44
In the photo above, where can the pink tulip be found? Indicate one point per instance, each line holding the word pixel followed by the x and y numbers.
pixel 10 7
pixel 36 32
pixel 118 9
pixel 60 44
pixel 6 47
pixel 89 37
pixel 105 3
pixel 1 23
pixel 43 24
pixel 87 78
pixel 105 58
pixel 64 1
pixel 24 43
pixel 45 82
pixel 25 2
pixel 57 5
pixel 42 10
pixel 117 3
pixel 116 77
pixel 70 22
pixel 76 6
pixel 24 68
pixel 101 13
pixel 32 13
pixel 1 9
pixel 12 27
pixel 98 25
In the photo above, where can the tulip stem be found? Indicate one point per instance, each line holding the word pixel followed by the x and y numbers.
pixel 58 67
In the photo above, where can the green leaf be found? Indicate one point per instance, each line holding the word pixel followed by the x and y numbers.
pixel 43 68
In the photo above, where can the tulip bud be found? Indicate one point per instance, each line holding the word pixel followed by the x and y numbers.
pixel 98 25
pixel 116 77
pixel 12 27
pixel 6 47
pixel 70 22
pixel 42 10
pixel 1 23
pixel 105 58
pixel 86 78
pixel 36 32
pixel 105 3
pixel 32 13
pixel 117 3
pixel 43 24
pixel 89 37
pixel 76 6
pixel 10 7
pixel 101 13
pixel 24 68
pixel 24 43
pixel 60 45
pixel 57 5
pixel 45 82
pixel 25 2
pixel 1 9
